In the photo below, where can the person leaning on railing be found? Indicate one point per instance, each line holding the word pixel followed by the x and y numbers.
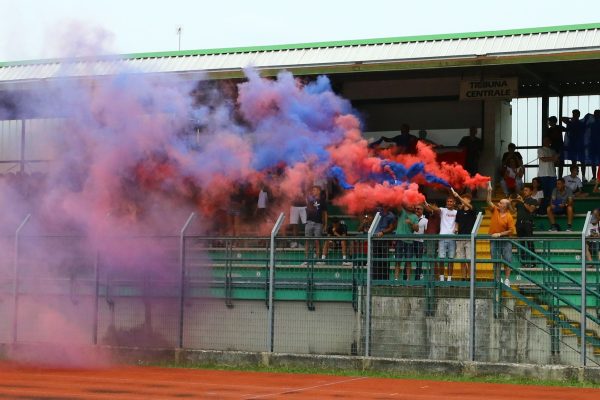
pixel 419 247
pixel 446 246
pixel 592 244
pixel 502 224
pixel 386 226
pixel 466 217
pixel 526 208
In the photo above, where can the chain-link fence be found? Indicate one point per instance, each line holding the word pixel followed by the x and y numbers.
pixel 7 282
pixel 444 297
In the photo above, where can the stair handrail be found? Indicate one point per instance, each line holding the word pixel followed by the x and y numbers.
pixel 542 285
pixel 583 323
pixel 551 266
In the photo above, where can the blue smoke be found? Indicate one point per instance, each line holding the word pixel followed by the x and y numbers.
pixel 404 175
pixel 338 173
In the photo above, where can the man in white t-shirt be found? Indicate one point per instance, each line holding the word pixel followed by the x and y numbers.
pixel 592 242
pixel 418 243
pixel 573 182
pixel 446 247
pixel 547 171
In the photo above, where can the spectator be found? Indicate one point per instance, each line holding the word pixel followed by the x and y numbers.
pixel 574 149
pixel 418 243
pixel 501 224
pixel 512 154
pixel 536 191
pixel 316 218
pixel 405 142
pixel 297 216
pixel 337 228
pixel 433 228
pixel 446 247
pixel 561 202
pixel 361 247
pixel 407 224
pixel 592 142
pixel 526 208
pixel 261 213
pixel 593 237
pixel 323 183
pixel 236 205
pixel 466 216
pixel 546 171
pixel 365 221
pixel 473 147
pixel 512 180
pixel 423 139
pixel 386 225
pixel 555 132
pixel 573 182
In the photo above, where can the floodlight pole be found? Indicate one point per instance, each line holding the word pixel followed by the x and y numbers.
pixel 182 274
pixel 16 279
pixel 179 29
pixel 271 317
pixel 369 273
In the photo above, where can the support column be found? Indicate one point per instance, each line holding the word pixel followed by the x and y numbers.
pixel 497 134
pixel 545 112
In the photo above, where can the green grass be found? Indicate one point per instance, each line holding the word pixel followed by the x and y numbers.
pixel 500 379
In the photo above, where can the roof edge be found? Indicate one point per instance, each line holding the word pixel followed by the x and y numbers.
pixel 316 45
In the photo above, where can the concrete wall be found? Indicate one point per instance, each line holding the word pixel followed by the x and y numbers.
pixel 209 324
pixel 401 327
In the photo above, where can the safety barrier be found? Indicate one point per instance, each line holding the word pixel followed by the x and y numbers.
pixel 371 295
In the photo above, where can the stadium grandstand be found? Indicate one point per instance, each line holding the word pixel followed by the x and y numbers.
pixel 262 292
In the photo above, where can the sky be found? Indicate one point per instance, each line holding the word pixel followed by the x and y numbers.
pixel 39 29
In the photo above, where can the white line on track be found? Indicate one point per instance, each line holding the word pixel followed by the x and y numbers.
pixel 262 396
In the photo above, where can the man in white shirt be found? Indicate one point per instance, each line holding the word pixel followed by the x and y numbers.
pixel 419 245
pixel 446 247
pixel 547 171
pixel 592 243
pixel 574 183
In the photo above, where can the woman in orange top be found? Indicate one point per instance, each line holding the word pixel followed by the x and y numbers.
pixel 502 224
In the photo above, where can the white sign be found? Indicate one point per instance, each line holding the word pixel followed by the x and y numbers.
pixel 497 88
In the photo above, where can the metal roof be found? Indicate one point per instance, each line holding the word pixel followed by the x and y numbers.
pixel 416 52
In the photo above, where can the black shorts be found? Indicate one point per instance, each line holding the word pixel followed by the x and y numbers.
pixel 404 249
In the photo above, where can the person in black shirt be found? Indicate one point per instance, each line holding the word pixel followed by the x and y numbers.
pixel 465 220
pixel 511 153
pixel 473 147
pixel 526 208
pixel 574 146
pixel 405 142
pixel 555 132
pixel 337 229
pixel 316 218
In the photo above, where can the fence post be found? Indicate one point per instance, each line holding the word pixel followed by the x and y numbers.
pixel 472 287
pixel 368 295
pixel 583 357
pixel 16 276
pixel 182 274
pixel 271 317
pixel 96 295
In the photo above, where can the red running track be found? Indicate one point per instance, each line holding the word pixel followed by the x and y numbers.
pixel 18 382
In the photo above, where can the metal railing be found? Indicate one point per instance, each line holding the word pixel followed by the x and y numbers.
pixel 261 294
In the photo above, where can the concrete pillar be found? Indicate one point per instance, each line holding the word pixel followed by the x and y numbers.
pixel 497 134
